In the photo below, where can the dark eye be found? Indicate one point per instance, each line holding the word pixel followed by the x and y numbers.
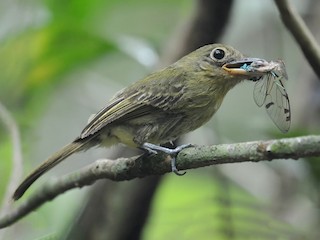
pixel 217 54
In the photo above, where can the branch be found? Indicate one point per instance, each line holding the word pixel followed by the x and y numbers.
pixel 301 33
pixel 16 172
pixel 142 166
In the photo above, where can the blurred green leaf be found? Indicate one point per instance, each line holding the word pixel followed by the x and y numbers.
pixel 202 207
pixel 43 57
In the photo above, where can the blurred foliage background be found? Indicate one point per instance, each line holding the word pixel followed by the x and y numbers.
pixel 61 61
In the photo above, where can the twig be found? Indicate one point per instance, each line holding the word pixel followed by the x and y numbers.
pixel 195 157
pixel 301 33
pixel 16 173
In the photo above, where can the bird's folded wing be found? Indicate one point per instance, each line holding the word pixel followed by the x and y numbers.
pixel 120 109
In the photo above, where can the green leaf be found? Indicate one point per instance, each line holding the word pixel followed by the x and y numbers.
pixel 200 207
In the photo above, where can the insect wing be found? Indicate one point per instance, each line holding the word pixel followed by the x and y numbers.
pixel 260 90
pixel 277 102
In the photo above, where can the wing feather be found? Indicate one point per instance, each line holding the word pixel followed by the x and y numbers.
pixel 119 110
pixel 138 100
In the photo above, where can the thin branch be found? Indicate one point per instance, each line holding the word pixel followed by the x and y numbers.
pixel 195 157
pixel 301 33
pixel 16 173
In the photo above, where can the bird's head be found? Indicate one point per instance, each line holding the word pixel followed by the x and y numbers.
pixel 222 64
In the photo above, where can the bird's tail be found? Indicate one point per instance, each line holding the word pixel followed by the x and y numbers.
pixel 77 145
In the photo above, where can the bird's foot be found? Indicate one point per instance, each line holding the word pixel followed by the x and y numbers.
pixel 153 149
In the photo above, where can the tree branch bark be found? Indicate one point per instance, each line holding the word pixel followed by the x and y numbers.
pixel 301 33
pixel 141 166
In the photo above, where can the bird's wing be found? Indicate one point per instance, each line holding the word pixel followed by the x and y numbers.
pixel 136 101
pixel 119 109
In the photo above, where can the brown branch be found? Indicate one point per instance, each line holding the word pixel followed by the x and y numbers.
pixel 301 33
pixel 195 157
pixel 205 26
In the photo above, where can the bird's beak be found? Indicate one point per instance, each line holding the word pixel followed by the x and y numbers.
pixel 242 68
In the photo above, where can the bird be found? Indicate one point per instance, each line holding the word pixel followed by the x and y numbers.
pixel 160 107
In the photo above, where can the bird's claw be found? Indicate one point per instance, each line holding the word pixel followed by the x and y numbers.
pixel 174 168
pixel 152 148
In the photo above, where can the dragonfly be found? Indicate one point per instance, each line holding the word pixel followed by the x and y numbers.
pixel 269 90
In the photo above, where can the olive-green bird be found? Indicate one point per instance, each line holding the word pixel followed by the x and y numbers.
pixel 160 107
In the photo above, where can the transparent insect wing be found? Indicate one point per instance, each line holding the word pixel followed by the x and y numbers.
pixel 277 102
pixel 260 90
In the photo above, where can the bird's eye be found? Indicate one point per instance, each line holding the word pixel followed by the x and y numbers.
pixel 217 53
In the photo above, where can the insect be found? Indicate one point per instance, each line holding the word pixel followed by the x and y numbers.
pixel 269 90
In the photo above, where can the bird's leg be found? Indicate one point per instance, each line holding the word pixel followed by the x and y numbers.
pixel 152 148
